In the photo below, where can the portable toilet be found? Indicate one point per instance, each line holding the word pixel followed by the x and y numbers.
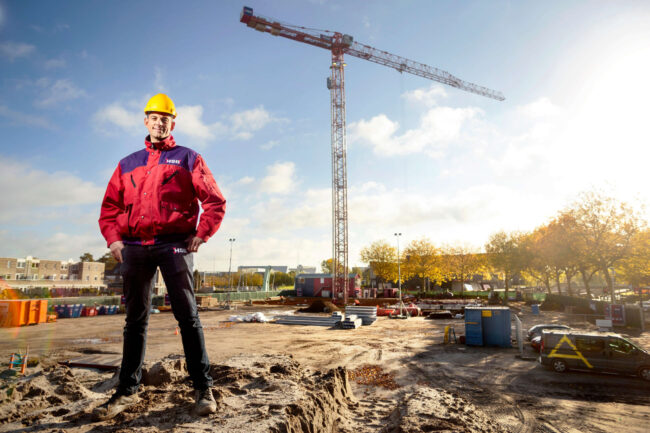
pixel 487 326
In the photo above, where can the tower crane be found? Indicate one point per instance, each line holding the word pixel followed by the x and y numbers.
pixel 340 44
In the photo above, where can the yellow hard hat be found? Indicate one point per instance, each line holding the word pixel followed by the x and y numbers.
pixel 162 104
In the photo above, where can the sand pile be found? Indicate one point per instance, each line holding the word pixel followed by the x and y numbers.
pixel 320 306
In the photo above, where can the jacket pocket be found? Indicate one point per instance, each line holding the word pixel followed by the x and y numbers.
pixel 168 178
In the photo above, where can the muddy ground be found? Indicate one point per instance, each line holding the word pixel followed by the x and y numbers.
pixel 395 375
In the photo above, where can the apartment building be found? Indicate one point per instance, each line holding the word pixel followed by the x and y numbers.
pixel 34 272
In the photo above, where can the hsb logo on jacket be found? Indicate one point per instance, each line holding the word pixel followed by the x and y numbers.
pixel 180 251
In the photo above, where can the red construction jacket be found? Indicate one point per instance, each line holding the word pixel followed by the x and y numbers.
pixel 153 196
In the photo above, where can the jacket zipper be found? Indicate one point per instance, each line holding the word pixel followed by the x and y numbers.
pixel 132 181
pixel 167 179
pixel 128 219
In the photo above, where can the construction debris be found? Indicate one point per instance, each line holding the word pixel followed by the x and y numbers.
pixel 368 315
pixel 373 375
pixel 308 320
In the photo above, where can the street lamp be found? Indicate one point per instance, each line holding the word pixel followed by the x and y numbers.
pixel 231 240
pixel 399 274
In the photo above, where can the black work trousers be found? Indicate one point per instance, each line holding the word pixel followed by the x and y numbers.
pixel 138 271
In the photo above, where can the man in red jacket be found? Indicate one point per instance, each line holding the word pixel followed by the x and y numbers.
pixel 149 219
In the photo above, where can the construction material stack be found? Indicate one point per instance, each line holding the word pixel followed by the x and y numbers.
pixel 351 322
pixel 368 315
pixel 330 321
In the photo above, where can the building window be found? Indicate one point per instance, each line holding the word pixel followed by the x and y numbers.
pixel 8 277
pixel 301 280
pixel 87 278
pixel 35 277
pixel 20 265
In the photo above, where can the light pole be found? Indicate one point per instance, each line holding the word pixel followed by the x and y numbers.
pixel 399 274
pixel 231 240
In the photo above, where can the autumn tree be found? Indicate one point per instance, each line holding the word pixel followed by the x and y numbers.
pixel 382 259
pixel 421 260
pixel 461 262
pixel 635 268
pixel 506 255
pixel 604 229
pixel 535 264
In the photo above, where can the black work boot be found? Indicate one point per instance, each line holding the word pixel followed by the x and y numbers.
pixel 205 403
pixel 118 403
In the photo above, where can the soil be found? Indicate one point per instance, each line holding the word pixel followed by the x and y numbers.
pixel 392 376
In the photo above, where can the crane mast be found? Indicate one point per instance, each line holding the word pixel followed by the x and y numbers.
pixel 340 44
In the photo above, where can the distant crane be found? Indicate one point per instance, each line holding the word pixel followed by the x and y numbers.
pixel 340 44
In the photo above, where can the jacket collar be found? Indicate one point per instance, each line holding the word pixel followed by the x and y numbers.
pixel 166 144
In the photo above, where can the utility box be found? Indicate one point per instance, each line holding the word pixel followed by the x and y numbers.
pixel 487 326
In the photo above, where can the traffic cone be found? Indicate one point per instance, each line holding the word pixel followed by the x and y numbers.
pixel 176 331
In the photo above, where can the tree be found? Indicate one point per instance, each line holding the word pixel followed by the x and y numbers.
pixel 382 259
pixel 604 229
pixel 108 260
pixel 422 261
pixel 635 268
pixel 86 257
pixel 327 267
pixel 461 262
pixel 536 265
pixel 505 254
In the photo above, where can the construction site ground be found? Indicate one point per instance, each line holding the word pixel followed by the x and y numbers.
pixel 395 375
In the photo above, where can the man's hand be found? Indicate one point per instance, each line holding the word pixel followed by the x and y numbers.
pixel 116 250
pixel 193 243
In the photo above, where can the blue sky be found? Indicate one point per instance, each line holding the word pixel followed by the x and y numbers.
pixel 423 159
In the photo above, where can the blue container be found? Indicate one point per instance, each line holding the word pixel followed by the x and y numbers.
pixel 473 327
pixel 496 327
pixel 101 310
pixel 487 326
pixel 535 309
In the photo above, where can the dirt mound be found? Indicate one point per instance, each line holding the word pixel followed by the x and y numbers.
pixel 320 306
pixel 262 393
pixel 429 409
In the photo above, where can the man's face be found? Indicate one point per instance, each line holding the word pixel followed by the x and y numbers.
pixel 160 125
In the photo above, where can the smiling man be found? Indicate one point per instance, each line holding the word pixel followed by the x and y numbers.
pixel 149 220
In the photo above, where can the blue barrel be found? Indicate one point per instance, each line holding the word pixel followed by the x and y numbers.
pixel 473 326
pixel 535 309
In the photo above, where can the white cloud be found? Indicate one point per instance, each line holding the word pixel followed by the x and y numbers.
pixel 428 97
pixel 280 178
pixel 189 121
pixel 158 80
pixel 116 114
pixel 543 107
pixel 55 63
pixel 246 180
pixel 60 91
pixel 18 118
pixel 244 123
pixel 269 145
pixel 15 50
pixel 41 189
pixel 438 127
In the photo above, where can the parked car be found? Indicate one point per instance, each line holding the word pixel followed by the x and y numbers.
pixel 593 351
pixel 537 329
